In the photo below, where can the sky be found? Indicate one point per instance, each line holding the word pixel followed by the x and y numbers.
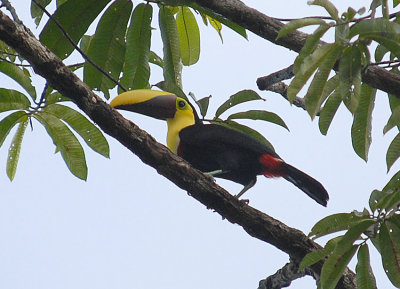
pixel 128 227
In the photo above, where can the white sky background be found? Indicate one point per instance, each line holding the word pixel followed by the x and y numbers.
pixel 128 227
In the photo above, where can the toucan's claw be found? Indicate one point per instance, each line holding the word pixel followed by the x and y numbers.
pixel 246 187
pixel 244 202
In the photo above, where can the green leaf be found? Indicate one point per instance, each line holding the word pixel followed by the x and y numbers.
pixel 11 99
pixel 55 97
pixel 155 59
pixel 317 93
pixel 393 184
pixel 394 220
pixel 391 42
pixel 66 142
pixel 375 198
pixel 390 200
pixel 350 77
pixel 334 267
pixel 380 52
pixel 107 48
pixel 37 12
pixel 361 128
pixel 389 197
pixel 334 223
pixel 216 25
pixel 307 68
pixel 171 87
pixel 381 30
pixel 365 54
pixel 378 26
pixel 189 36
pixel 75 16
pixel 312 258
pixel 328 111
pixel 245 129
pixel 329 7
pixel 15 148
pixel 298 23
pixel 237 98
pixel 393 121
pixel 136 71
pixel 86 129
pixel 311 43
pixel 232 25
pixel 203 105
pixel 60 2
pixel 353 234
pixel 7 123
pixel 172 68
pixel 364 276
pixel 85 43
pixel 389 243
pixel 21 76
pixel 259 115
pixel 394 104
pixel 393 152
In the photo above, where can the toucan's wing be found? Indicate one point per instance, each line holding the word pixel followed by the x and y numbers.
pixel 211 135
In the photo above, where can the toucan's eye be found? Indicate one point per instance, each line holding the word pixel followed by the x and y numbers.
pixel 181 104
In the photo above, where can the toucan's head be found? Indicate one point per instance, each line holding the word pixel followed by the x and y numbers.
pixel 155 103
pixel 161 105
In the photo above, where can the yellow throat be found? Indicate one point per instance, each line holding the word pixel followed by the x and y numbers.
pixel 183 117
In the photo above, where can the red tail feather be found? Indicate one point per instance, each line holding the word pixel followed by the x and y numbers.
pixel 272 167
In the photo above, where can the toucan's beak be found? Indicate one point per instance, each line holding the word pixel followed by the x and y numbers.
pixel 153 103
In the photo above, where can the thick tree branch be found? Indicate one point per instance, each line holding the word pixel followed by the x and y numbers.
pixel 198 185
pixel 268 28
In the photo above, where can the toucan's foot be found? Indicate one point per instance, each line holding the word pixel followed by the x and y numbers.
pixel 244 202
pixel 214 173
pixel 246 187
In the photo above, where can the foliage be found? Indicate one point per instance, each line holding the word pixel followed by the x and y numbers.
pixel 348 57
pixel 119 54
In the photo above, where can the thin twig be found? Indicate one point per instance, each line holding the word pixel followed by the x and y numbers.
pixel 16 64
pixel 283 74
pixel 292 19
pixel 77 47
pixel 10 8
pixel 371 15
pixel 43 96
pixel 8 53
pixel 390 63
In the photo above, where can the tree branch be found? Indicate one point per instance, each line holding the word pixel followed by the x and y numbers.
pixel 268 28
pixel 266 81
pixel 199 186
pixel 283 277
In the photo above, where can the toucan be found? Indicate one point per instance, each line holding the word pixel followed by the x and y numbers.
pixel 218 150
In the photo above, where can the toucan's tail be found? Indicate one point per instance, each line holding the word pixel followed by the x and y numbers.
pixel 307 184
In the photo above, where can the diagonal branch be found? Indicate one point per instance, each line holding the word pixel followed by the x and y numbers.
pixel 268 28
pixel 201 187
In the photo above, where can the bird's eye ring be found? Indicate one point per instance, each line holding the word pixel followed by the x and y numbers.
pixel 181 104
